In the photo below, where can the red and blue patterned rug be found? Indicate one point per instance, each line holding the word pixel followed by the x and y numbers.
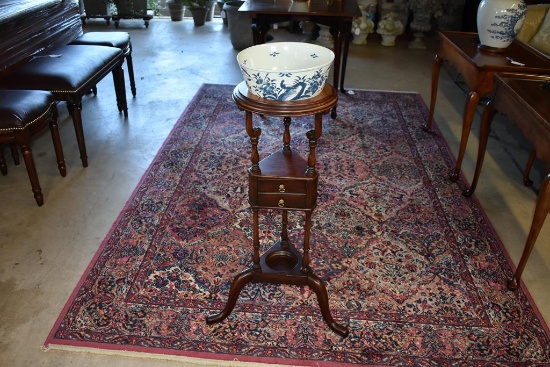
pixel 413 268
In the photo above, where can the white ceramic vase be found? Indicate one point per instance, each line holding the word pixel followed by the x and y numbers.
pixel 498 22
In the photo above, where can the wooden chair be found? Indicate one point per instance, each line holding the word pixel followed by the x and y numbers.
pixel 23 113
pixel 70 72
pixel 119 40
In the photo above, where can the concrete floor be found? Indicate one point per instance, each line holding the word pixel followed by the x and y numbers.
pixel 44 251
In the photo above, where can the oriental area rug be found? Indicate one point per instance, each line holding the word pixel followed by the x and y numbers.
pixel 414 269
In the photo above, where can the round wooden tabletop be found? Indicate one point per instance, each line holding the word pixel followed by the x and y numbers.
pixel 321 103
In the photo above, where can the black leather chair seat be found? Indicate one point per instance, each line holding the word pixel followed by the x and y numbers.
pixel 111 39
pixel 23 113
pixel 76 70
pixel 20 109
pixel 119 40
pixel 70 72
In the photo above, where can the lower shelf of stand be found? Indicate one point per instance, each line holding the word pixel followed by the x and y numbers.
pixel 281 266
pixel 282 260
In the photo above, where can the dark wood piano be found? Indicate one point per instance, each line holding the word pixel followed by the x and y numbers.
pixel 30 28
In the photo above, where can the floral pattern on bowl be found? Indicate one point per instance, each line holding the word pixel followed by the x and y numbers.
pixel 285 71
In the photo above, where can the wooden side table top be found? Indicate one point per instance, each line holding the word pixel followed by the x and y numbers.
pixel 321 103
pixel 467 46
pixel 461 50
pixel 478 68
pixel 527 103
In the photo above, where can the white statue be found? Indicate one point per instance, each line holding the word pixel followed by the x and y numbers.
pixel 423 11
pixel 363 25
pixel 399 7
pixel 389 27
pixel 360 28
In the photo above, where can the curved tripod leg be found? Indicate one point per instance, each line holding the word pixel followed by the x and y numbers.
pixel 236 287
pixel 322 296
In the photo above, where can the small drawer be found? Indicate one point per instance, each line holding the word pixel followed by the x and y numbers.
pixel 290 201
pixel 282 186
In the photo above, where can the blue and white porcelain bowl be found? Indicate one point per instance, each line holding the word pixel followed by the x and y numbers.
pixel 285 71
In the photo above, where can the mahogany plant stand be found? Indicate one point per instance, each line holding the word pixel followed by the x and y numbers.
pixel 284 181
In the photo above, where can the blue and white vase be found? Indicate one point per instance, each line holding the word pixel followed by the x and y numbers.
pixel 498 22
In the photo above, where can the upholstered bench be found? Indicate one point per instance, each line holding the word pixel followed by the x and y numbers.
pixel 119 40
pixel 23 113
pixel 70 72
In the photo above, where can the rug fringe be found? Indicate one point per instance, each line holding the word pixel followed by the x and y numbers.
pixel 189 361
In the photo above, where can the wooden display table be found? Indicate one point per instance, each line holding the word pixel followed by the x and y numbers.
pixel 477 66
pixel 284 181
pixel 337 15
pixel 524 99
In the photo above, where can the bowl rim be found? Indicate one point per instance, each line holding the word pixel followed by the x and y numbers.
pixel 264 45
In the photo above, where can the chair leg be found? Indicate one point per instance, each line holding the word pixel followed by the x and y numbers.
pixel 54 129
pixel 24 141
pixel 117 91
pixel 74 111
pixel 3 166
pixel 130 64
pixel 120 89
pixel 14 154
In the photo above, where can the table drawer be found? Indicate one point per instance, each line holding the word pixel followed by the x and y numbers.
pixel 276 200
pixel 282 186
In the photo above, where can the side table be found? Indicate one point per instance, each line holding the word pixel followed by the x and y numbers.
pixel 461 50
pixel 524 98
pixel 338 15
pixel 284 181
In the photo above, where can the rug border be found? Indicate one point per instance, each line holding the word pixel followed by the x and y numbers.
pixel 49 339
pixel 198 358
pixel 170 354
pixel 463 180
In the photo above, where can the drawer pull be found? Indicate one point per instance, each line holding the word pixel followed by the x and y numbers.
pixel 282 188
pixel 281 203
